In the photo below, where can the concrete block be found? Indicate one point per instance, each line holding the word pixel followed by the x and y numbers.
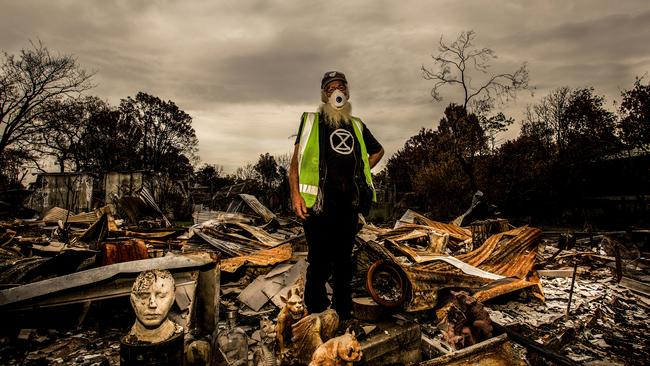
pixel 394 342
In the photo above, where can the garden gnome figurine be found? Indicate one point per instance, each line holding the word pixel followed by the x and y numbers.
pixel 152 296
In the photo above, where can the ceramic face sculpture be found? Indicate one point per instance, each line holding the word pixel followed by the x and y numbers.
pixel 152 295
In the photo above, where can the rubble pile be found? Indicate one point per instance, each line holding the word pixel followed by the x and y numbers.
pixel 425 292
pixel 606 321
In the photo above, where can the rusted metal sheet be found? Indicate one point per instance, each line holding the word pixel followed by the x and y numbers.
pixel 122 251
pixel 496 351
pixel 508 254
pixel 91 276
pixel 165 234
pixel 504 286
pixel 434 241
pixel 264 257
pixel 481 230
pixel 406 232
pixel 239 239
pixel 416 257
pixel 456 232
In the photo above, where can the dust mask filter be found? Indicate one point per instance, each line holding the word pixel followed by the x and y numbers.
pixel 337 99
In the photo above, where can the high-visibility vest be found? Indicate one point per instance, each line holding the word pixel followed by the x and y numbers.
pixel 309 151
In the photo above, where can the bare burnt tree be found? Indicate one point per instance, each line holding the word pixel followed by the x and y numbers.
pixel 283 160
pixel 572 121
pixel 66 127
pixel 28 83
pixel 546 120
pixel 267 170
pixel 458 63
pixel 246 172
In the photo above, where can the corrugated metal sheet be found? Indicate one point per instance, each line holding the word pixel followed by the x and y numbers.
pixel 148 198
pixel 68 190
pixel 456 232
pixel 258 207
pixel 509 254
pixel 55 214
pixel 264 257
pixel 220 216
pixel 260 234
pixel 117 184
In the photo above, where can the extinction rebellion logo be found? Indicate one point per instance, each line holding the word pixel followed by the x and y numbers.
pixel 341 141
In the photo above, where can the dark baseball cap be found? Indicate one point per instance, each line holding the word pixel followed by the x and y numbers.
pixel 332 76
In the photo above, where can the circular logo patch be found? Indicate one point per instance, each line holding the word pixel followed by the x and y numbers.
pixel 342 141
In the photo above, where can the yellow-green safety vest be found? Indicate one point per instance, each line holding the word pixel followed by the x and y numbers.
pixel 309 172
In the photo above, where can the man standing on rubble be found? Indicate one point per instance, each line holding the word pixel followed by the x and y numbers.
pixel 330 185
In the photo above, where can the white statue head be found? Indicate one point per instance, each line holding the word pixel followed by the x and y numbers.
pixel 152 295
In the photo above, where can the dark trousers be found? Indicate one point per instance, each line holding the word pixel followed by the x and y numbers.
pixel 330 238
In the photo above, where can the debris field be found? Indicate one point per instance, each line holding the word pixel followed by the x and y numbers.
pixel 425 292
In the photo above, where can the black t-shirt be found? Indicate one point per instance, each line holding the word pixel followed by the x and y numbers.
pixel 341 155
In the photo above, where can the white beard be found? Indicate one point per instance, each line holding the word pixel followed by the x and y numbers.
pixel 336 117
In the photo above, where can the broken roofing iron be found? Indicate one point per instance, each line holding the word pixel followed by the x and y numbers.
pixel 503 264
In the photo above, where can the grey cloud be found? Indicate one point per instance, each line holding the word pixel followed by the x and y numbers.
pixel 618 36
pixel 287 70
pixel 232 64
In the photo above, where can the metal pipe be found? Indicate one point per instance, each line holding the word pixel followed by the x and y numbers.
pixel 573 281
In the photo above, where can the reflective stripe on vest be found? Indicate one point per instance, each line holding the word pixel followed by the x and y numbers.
pixel 308 175
pixel 308 158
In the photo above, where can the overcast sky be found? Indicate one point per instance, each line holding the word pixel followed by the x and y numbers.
pixel 246 70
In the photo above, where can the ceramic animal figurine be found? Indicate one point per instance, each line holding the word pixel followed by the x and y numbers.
pixel 312 331
pixel 292 311
pixel 340 351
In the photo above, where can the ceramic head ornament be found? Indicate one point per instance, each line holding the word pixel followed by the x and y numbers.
pixel 152 296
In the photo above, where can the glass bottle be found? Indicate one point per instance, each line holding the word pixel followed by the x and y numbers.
pixel 233 341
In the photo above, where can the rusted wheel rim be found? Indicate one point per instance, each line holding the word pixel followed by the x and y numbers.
pixel 387 284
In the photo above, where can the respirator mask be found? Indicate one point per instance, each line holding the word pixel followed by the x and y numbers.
pixel 337 99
